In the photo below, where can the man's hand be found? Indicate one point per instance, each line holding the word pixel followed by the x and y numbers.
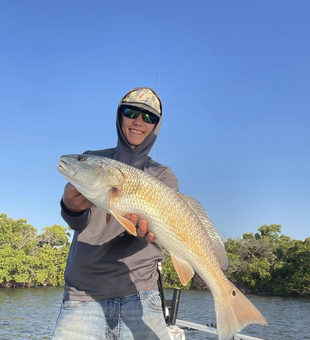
pixel 142 227
pixel 73 200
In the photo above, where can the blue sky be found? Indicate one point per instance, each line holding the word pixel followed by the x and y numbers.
pixel 234 81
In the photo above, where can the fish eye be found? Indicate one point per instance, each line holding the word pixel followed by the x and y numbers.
pixel 80 158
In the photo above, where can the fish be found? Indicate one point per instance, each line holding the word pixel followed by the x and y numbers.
pixel 180 223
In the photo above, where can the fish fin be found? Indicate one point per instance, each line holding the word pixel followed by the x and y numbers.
pixel 184 270
pixel 234 312
pixel 209 227
pixel 128 225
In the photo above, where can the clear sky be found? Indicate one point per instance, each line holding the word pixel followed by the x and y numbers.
pixel 234 81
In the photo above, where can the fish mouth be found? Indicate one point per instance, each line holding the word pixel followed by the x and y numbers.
pixel 65 168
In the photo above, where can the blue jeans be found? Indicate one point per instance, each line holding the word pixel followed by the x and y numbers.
pixel 134 317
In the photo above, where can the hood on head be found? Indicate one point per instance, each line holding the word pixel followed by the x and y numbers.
pixel 147 99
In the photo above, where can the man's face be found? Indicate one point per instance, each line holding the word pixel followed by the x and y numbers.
pixel 136 130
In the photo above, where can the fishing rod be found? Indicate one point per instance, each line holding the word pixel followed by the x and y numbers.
pixel 157 92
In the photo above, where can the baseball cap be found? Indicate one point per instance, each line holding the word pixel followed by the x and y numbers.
pixel 144 98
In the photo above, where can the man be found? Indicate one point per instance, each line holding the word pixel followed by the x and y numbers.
pixel 111 277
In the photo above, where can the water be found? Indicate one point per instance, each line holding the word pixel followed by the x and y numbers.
pixel 32 313
pixel 288 318
pixel 29 313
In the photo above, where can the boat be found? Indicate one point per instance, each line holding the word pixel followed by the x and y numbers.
pixel 177 326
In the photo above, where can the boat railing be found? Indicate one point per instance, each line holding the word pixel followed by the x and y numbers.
pixel 170 309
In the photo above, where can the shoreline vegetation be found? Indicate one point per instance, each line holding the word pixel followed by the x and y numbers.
pixel 266 263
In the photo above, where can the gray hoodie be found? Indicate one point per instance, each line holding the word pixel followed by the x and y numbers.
pixel 104 261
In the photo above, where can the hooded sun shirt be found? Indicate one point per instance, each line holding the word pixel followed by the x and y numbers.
pixel 105 261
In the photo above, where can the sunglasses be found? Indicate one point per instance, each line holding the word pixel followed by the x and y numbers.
pixel 147 117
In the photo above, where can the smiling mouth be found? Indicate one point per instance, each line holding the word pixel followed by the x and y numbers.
pixel 136 131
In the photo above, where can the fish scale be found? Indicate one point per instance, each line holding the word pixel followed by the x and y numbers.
pixel 148 208
pixel 179 222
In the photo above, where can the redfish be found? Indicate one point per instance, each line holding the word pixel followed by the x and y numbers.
pixel 180 223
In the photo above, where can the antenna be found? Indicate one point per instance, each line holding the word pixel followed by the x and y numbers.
pixel 157 91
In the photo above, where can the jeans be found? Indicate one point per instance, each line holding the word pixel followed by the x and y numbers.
pixel 138 316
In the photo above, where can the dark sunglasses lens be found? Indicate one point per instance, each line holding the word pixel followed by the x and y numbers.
pixel 129 113
pixel 150 118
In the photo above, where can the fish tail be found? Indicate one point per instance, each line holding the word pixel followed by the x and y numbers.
pixel 235 312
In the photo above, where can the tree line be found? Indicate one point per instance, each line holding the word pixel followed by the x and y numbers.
pixel 266 262
pixel 28 259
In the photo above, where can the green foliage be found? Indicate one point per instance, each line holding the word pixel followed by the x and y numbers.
pixel 259 273
pixel 17 233
pixel 270 232
pixel 27 258
pixel 55 236
pixel 269 262
pixel 266 262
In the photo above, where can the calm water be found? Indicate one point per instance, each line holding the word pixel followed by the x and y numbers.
pixel 32 313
